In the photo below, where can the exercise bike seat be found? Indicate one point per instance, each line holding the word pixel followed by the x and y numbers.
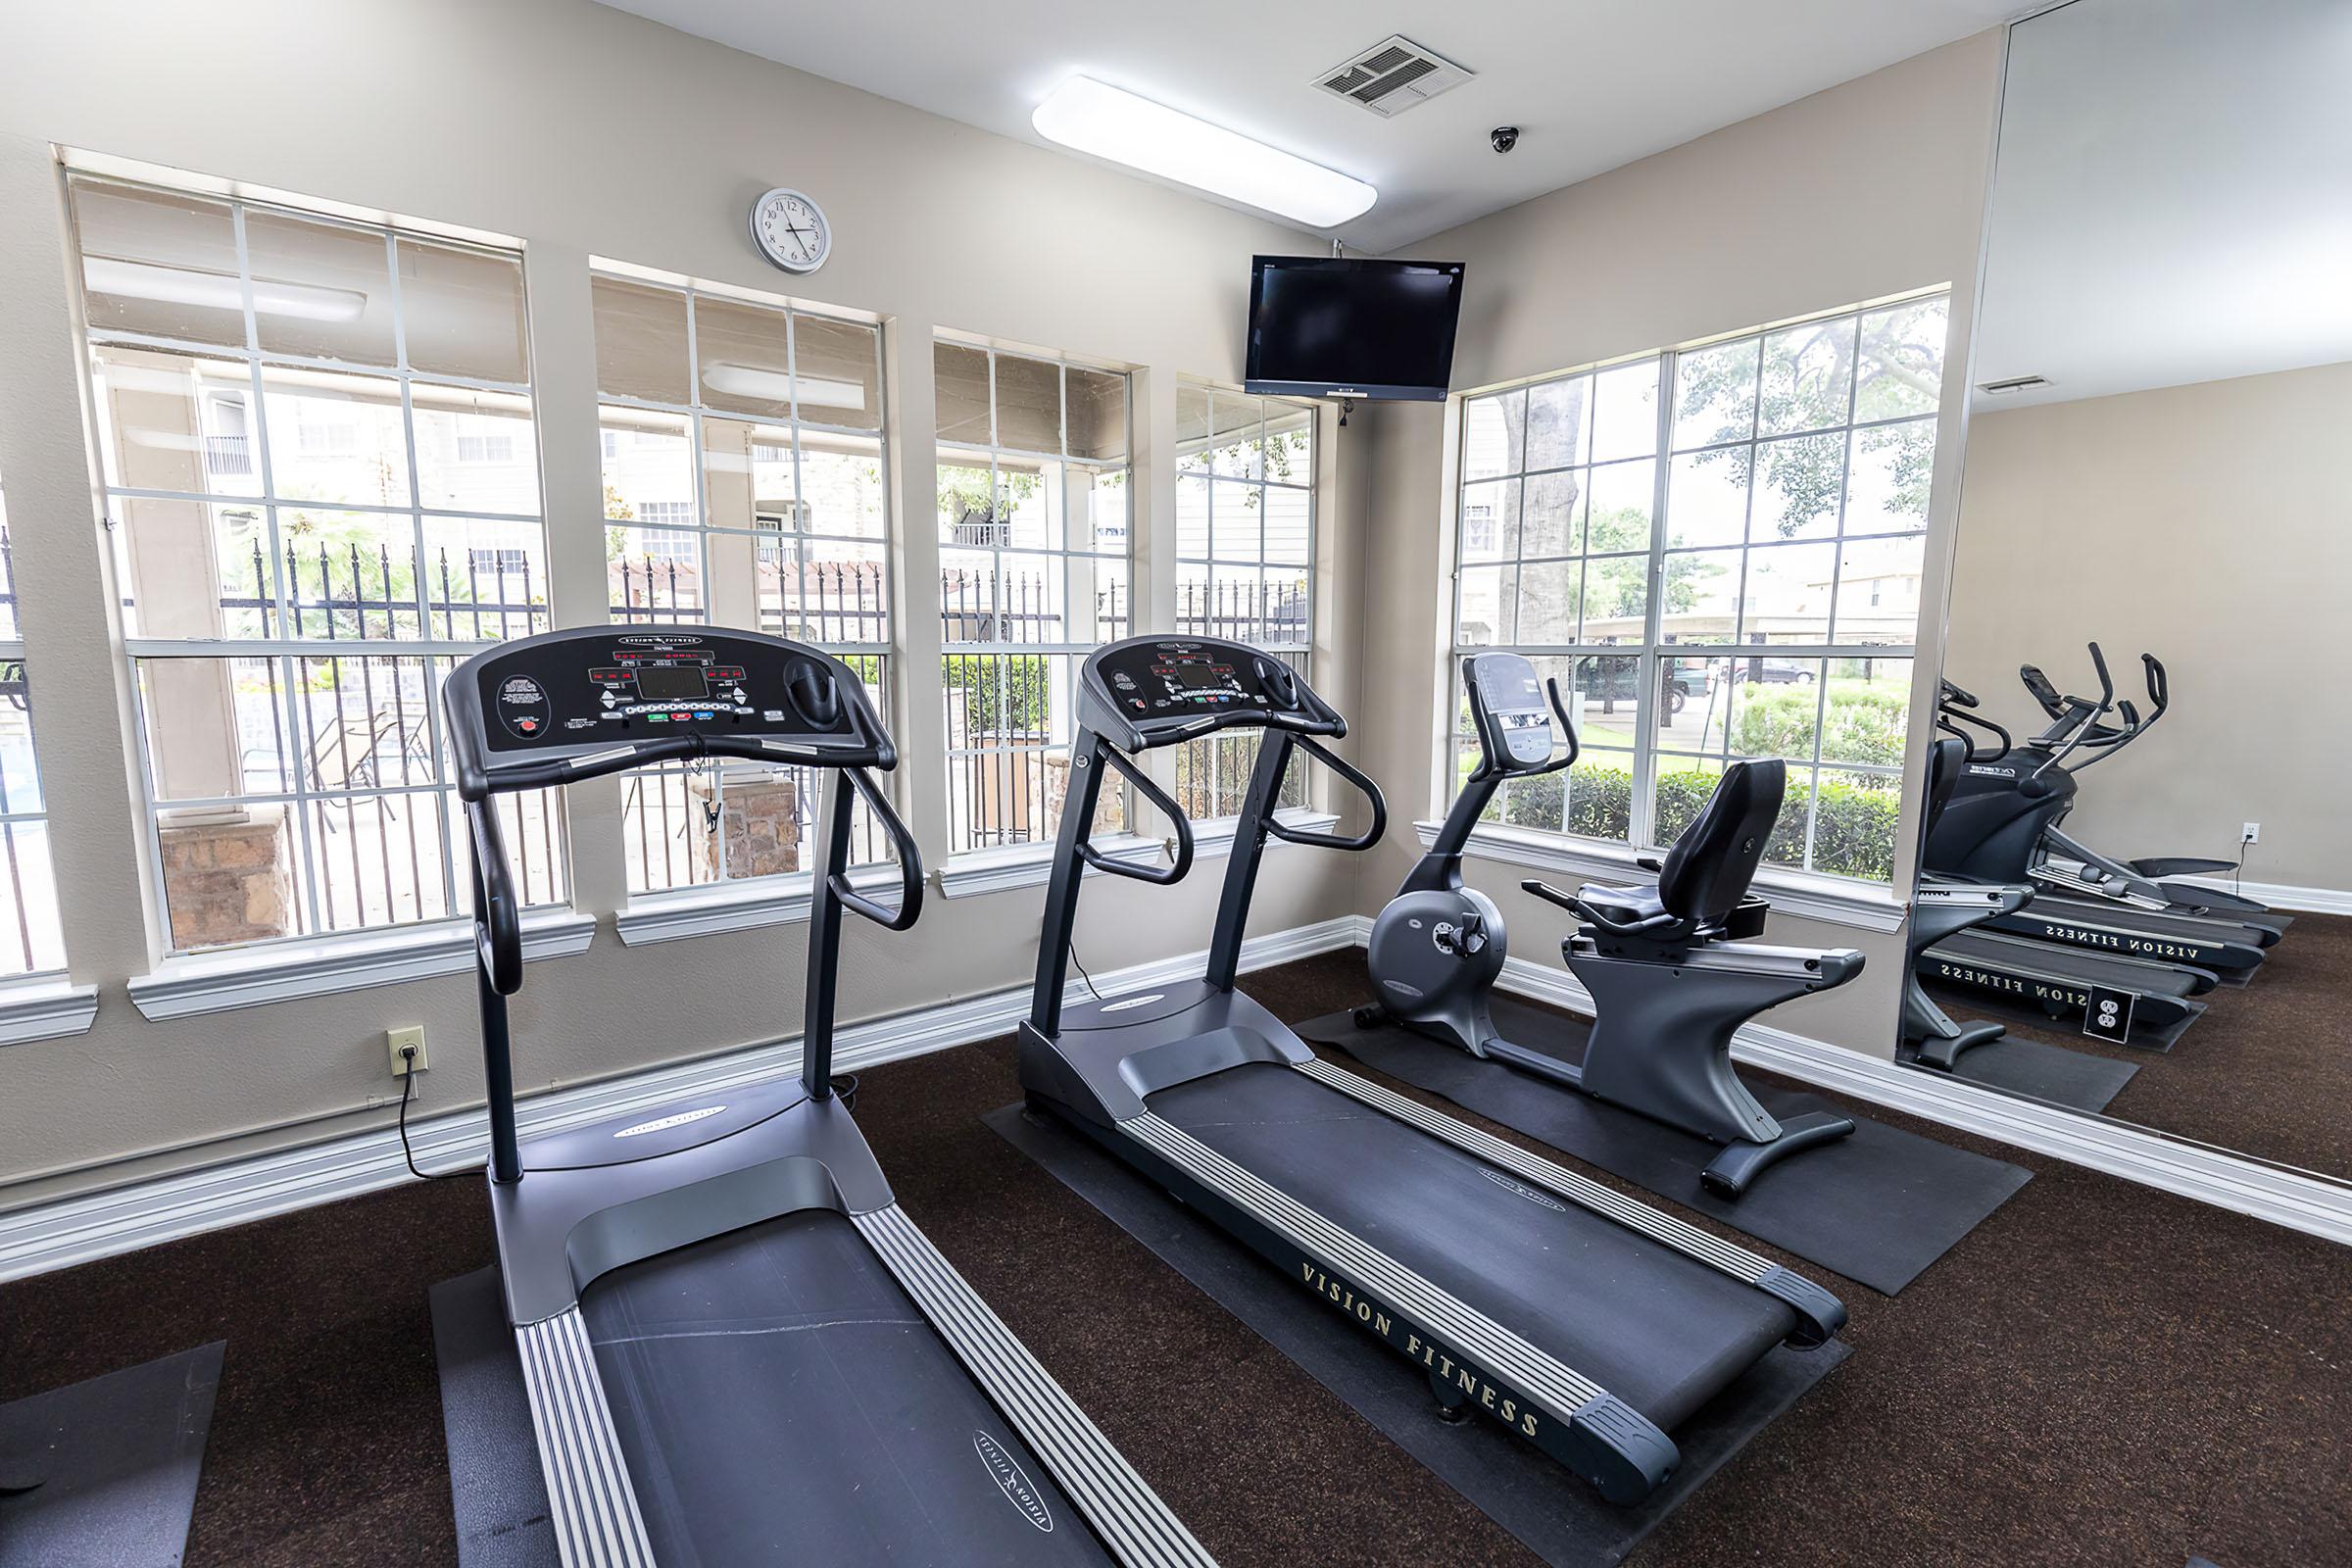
pixel 1623 906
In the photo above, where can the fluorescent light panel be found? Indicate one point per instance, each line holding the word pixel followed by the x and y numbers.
pixel 219 291
pixel 1109 122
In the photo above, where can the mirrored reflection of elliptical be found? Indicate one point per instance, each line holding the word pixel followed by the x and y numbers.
pixel 1671 975
pixel 2120 1000
pixel 1992 830
pixel 2072 867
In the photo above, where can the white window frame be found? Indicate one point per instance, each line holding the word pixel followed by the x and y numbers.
pixel 1063 656
pixel 1228 757
pixel 867 843
pixel 315 928
pixel 1652 654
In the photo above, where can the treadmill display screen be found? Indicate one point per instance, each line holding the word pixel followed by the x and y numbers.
pixel 1203 677
pixel 672 683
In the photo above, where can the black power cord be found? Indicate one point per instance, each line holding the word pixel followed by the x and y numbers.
pixel 408 1092
pixel 1082 974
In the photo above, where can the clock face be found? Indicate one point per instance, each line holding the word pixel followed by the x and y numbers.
pixel 791 231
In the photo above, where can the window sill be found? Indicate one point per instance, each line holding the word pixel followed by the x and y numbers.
pixel 1834 900
pixel 744 906
pixel 195 983
pixel 1027 865
pixel 45 1007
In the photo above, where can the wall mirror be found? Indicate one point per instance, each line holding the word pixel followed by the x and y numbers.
pixel 2145 735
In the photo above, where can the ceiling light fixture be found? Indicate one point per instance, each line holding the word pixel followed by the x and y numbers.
pixel 1108 123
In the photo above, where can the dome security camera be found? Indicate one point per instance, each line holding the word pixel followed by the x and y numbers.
pixel 1504 137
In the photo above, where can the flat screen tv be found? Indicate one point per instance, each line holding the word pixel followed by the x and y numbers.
pixel 1327 327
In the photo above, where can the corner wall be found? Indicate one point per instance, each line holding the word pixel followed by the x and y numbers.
pixel 2210 525
pixel 581 132
pixel 1871 188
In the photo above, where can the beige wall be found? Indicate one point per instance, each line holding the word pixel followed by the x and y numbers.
pixel 2210 525
pixel 578 131
pixel 1869 190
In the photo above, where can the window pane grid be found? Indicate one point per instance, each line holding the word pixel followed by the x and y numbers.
pixel 32 936
pixel 320 451
pixel 1245 548
pixel 1772 612
pixel 1034 574
pixel 741 496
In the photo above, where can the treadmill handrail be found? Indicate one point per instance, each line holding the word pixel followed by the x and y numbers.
pixel 910 862
pixel 1180 862
pixel 1363 785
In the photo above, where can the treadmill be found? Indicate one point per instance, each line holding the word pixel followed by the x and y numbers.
pixel 1581 1319
pixel 737 1349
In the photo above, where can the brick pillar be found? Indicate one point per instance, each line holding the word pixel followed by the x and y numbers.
pixel 759 817
pixel 228 881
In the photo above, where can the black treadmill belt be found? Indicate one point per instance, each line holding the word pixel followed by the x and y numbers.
pixel 1660 1331
pixel 1879 1207
pixel 2078 964
pixel 780 1399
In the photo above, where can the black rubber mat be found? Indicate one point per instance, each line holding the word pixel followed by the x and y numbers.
pixel 494 1480
pixel 109 1465
pixel 1877 1206
pixel 2074 1079
pixel 1554 1514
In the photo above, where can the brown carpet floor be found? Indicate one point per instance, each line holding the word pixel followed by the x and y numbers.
pixel 2267 1072
pixel 2099 1375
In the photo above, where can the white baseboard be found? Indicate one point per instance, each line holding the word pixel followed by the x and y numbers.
pixel 2193 1170
pixel 40 1238
pixel 2281 895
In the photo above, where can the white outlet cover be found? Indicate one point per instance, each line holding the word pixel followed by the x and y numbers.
pixel 397 1040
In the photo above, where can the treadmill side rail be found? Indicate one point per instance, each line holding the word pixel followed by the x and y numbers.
pixel 1126 1513
pixel 591 1501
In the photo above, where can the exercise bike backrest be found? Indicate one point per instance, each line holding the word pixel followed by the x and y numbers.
pixel 1703 889
pixel 1711 866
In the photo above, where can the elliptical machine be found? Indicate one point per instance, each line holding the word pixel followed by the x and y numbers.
pixel 1942 910
pixel 1993 828
pixel 2071 866
pixel 1671 975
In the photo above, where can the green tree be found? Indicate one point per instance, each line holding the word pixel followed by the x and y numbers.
pixel 1896 369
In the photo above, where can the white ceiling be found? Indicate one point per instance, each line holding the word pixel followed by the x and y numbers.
pixel 2173 201
pixel 1593 83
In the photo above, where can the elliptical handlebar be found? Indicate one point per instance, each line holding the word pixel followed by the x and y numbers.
pixel 1957 708
pixel 2092 712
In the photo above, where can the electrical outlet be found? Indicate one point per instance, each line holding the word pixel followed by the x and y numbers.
pixel 409 1039
pixel 2250 834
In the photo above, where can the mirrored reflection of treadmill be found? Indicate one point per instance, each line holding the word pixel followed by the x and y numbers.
pixel 737 1349
pixel 1582 1320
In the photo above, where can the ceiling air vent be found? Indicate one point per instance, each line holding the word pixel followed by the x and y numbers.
pixel 2014 383
pixel 1391 76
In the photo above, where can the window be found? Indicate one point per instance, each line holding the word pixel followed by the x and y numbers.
pixel 1245 548
pixel 279 396
pixel 485 447
pixel 1732 572
pixel 1034 573
pixel 32 939
pixel 744 486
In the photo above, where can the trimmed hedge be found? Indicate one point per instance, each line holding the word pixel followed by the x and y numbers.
pixel 1866 723
pixel 1856 835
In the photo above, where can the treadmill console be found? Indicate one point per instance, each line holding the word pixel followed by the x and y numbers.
pixel 1162 689
pixel 595 690
pixel 1506 703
